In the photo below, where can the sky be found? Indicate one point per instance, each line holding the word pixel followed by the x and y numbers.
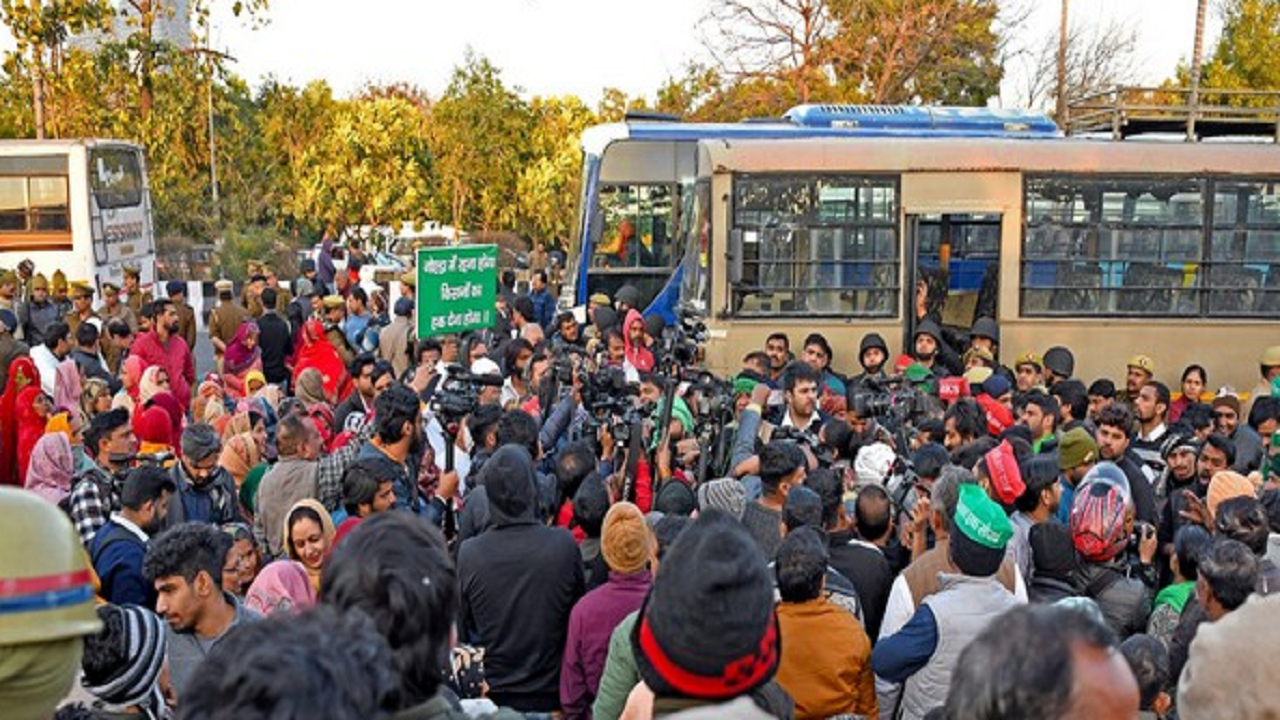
pixel 556 47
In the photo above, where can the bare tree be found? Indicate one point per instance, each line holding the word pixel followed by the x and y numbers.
pixel 772 39
pixel 1097 58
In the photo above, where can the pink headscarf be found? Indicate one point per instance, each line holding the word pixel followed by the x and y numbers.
pixel 239 357
pixel 52 467
pixel 66 390
pixel 282 587
pixel 133 367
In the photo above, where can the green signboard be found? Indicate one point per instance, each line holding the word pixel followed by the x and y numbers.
pixel 457 288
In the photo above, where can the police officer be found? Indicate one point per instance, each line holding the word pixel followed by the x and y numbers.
pixel 38 312
pixel 81 305
pixel 113 309
pixel 225 320
pixel 58 285
pixel 46 582
pixel 335 310
pixel 135 297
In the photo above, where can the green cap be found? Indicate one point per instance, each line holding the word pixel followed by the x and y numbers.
pixel 746 386
pixel 1076 447
pixel 981 520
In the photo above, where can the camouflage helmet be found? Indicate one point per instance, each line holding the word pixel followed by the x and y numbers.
pixel 46 586
pixel 59 281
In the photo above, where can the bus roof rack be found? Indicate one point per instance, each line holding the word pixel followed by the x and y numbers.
pixel 1133 111
pixel 651 116
pixel 916 117
pixel 763 121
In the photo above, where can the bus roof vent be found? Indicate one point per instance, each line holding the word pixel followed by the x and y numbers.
pixel 651 116
pixel 924 120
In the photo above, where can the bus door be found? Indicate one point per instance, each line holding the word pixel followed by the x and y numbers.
pixel 953 270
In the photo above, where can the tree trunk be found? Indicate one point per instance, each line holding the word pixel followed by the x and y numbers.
pixel 1060 112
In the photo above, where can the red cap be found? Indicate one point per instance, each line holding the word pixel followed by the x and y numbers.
pixel 953 388
pixel 1002 469
pixel 999 417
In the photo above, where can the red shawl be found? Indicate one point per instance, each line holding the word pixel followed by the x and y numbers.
pixel 22 375
pixel 30 428
pixel 316 352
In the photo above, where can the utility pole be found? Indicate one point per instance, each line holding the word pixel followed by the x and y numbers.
pixel 213 155
pixel 1060 114
pixel 1197 52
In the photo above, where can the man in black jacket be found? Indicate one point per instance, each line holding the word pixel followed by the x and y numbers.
pixel 519 581
pixel 276 340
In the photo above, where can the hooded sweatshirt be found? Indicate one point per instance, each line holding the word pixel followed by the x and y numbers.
pixel 519 583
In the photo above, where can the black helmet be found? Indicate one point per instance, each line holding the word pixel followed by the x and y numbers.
pixel 987 328
pixel 930 328
pixel 1060 361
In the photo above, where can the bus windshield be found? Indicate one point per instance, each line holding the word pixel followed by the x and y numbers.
pixel 635 223
pixel 116 177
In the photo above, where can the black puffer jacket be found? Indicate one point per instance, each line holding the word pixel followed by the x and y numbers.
pixel 1125 601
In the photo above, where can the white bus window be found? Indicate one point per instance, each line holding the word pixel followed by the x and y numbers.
pixel 49 205
pixel 825 245
pixel 13 204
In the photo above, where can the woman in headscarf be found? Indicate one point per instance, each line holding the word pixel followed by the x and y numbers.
pixel 309 388
pixel 240 567
pixel 633 337
pixel 66 388
pixel 52 467
pixel 22 375
pixel 282 587
pixel 308 537
pixel 155 433
pixel 242 357
pixel 239 456
pixel 95 397
pixel 33 411
pixel 71 423
pixel 155 380
pixel 122 663
pixel 167 402
pixel 316 352
pixel 209 393
pixel 131 378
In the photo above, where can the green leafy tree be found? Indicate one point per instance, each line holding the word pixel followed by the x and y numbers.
pixel 42 29
pixel 1248 53
pixel 479 140
pixel 549 182
pixel 370 167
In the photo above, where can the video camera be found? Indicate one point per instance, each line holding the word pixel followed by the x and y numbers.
pixel 680 342
pixel 459 392
pixel 891 398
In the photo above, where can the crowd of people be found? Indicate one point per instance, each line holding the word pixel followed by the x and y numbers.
pixel 343 520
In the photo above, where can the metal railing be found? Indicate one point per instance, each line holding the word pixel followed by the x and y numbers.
pixel 1127 111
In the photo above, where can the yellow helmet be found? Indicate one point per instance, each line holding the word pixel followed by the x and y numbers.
pixel 46 587
pixel 59 281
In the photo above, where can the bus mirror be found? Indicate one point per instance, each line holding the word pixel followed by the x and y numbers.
pixel 735 256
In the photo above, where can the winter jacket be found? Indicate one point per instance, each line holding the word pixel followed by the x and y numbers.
pixel 288 481
pixel 826 661
pixel 519 582
pixel 1125 601
pixel 619 674
pixel 117 554
pixel 214 502
pixel 590 626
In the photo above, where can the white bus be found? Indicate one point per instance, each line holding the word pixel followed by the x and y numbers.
pixel 79 206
